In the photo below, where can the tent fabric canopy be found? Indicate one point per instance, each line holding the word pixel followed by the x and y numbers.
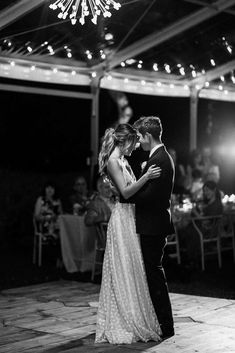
pixel 158 47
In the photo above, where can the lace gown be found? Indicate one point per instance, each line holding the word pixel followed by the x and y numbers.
pixel 125 312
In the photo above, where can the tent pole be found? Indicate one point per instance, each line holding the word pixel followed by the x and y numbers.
pixel 95 90
pixel 194 92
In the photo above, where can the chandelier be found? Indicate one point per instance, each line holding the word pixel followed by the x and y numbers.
pixel 93 8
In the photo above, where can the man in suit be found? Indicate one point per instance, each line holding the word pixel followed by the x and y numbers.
pixel 153 218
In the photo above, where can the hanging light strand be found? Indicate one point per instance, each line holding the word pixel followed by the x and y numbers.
pixel 82 8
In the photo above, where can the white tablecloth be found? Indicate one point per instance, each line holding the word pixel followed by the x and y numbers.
pixel 77 243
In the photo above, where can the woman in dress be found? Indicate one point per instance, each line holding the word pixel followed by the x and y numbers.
pixel 125 312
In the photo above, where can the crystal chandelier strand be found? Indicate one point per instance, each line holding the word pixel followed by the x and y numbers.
pixel 94 8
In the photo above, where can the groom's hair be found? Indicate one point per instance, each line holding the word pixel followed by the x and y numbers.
pixel 150 124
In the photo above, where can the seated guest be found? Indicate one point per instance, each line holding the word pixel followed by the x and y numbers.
pixel 47 209
pixel 195 163
pixel 100 207
pixel 196 187
pixel 210 205
pixel 210 169
pixel 81 196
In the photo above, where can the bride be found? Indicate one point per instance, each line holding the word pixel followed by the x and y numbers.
pixel 125 311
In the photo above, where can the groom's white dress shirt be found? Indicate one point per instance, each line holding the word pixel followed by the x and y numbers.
pixel 154 149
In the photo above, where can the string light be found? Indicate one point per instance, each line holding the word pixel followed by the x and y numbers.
pixel 212 61
pixel 50 49
pixel 155 67
pixel 222 78
pixel 167 68
pixel 182 71
pixel 102 54
pixel 130 61
pixel 140 63
pixel 232 78
pixel 88 54
pixel 92 8
pixel 227 45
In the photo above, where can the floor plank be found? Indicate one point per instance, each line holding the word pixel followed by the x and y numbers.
pixel 60 317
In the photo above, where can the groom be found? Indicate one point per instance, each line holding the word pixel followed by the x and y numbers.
pixel 153 218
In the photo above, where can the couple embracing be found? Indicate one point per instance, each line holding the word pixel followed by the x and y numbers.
pixel 134 302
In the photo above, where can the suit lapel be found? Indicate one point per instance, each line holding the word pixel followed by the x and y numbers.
pixel 154 155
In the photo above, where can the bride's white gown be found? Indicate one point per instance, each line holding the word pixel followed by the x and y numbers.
pixel 125 312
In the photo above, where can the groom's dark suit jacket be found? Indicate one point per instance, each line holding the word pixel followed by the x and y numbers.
pixel 153 215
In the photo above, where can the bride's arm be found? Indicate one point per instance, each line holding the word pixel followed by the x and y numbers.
pixel 127 191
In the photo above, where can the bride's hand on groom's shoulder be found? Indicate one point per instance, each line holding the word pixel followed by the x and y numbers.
pixel 153 172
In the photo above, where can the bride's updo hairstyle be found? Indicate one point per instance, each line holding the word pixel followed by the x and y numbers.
pixel 124 136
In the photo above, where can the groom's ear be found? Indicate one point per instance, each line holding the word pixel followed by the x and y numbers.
pixel 148 135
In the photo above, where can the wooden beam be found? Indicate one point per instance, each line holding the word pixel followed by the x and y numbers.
pixel 167 33
pixel 214 73
pixel 145 75
pixel 95 90
pixel 193 119
pixel 41 61
pixel 44 91
pixel 202 3
pixel 12 13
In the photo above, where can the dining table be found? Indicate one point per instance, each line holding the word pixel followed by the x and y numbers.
pixel 77 243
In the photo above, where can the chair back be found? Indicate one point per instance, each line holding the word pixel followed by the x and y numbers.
pixel 37 226
pixel 101 232
pixel 208 226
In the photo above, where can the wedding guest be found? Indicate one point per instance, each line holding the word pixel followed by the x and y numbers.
pixel 125 115
pixel 100 207
pixel 210 205
pixel 195 163
pixel 196 187
pixel 47 209
pixel 80 197
pixel 210 169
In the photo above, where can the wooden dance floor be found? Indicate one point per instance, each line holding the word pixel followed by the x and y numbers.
pixel 60 317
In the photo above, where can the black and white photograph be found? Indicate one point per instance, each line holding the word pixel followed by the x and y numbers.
pixel 117 176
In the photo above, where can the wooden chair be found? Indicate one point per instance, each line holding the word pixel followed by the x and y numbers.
pixel 173 245
pixel 37 242
pixel 100 243
pixel 227 236
pixel 41 239
pixel 209 236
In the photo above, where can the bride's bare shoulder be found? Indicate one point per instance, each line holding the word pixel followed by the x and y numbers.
pixel 113 163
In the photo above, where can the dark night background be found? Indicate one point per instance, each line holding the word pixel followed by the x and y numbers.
pixel 47 137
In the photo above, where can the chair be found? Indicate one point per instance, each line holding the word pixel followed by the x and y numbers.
pixel 173 245
pixel 41 239
pixel 100 243
pixel 37 242
pixel 208 229
pixel 227 236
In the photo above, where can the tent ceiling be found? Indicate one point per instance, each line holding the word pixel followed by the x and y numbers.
pixel 145 42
